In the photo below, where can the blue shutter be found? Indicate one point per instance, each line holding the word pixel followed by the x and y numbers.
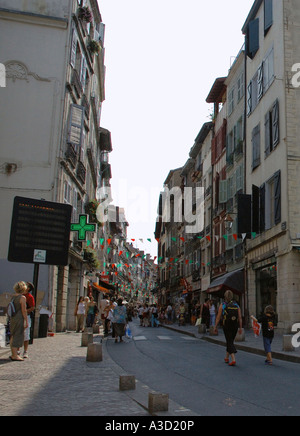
pixel 253 38
pixel 268 7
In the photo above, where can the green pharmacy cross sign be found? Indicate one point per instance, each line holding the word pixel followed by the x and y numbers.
pixel 83 227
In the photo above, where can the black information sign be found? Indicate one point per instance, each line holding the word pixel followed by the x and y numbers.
pixel 40 232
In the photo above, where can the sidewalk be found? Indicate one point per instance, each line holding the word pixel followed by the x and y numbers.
pixel 251 344
pixel 56 380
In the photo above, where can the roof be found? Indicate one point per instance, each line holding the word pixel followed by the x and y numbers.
pixel 206 128
pixel 217 91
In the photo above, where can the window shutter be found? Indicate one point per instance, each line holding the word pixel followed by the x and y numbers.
pixel 255 209
pixel 277 185
pixel 73 48
pixel 83 72
pixel 268 132
pixel 256 147
pixel 262 206
pixel 76 126
pixel 275 127
pixel 260 82
pixel 268 6
pixel 249 98
pixel 253 38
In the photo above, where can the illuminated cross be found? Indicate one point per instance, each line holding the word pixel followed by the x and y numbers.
pixel 83 227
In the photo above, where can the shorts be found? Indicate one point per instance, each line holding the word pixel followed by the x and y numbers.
pixel 27 331
pixel 267 344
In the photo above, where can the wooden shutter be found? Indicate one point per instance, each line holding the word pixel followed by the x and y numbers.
pixel 256 147
pixel 255 209
pixel 73 48
pixel 249 98
pixel 277 187
pixel 76 126
pixel 275 123
pixel 268 134
pixel 253 38
pixel 262 207
pixel 260 82
pixel 268 9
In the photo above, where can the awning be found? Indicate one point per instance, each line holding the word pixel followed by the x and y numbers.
pixel 233 281
pixel 101 289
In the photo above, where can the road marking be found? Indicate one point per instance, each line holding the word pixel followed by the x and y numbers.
pixel 164 338
pixel 140 338
pixel 188 338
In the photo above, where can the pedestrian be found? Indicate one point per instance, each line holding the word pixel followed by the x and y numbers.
pixel 141 312
pixel 91 312
pixel 212 312
pixel 154 316
pixel 268 322
pixel 232 322
pixel 182 314
pixel 80 311
pixel 119 320
pixel 146 316
pixel 30 308
pixel 204 313
pixel 19 322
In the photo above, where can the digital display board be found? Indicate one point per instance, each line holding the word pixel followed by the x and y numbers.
pixel 40 232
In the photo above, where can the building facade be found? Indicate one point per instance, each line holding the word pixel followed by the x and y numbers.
pixel 52 142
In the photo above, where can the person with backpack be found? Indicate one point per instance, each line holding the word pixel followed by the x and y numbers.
pixel 232 322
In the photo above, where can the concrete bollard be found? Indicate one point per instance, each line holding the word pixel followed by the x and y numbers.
pixel 127 383
pixel 202 329
pixel 287 343
pixel 96 329
pixel 242 337
pixel 158 402
pixel 86 339
pixel 94 353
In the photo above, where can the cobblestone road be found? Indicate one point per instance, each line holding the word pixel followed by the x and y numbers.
pixel 56 380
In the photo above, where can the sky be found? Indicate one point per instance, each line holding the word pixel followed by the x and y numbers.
pixel 162 58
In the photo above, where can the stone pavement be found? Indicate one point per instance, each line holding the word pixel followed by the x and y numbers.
pixel 57 380
pixel 251 344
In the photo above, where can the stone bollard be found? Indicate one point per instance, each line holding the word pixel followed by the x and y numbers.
pixel 212 331
pixel 127 383
pixel 86 339
pixel 158 402
pixel 242 337
pixel 96 329
pixel 202 329
pixel 287 343
pixel 94 353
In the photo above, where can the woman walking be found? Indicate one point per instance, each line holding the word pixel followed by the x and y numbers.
pixel 18 322
pixel 119 320
pixel 232 322
pixel 80 314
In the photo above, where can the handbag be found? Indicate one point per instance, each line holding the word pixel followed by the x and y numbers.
pixel 198 322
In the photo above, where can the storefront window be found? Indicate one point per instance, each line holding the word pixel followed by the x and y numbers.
pixel 266 288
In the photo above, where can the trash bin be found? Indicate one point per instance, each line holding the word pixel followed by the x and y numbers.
pixel 43 326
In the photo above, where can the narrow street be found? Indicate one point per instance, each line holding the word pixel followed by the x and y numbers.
pixel 192 372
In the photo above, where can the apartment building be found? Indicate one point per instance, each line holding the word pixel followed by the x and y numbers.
pixel 272 34
pixel 51 142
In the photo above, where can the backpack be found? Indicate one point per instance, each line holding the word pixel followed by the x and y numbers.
pixel 230 314
pixel 11 310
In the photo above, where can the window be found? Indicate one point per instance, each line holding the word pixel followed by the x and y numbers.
pixel 272 129
pixel 256 147
pixel 73 48
pixel 273 201
pixel 253 38
pixel 270 202
pixel 76 126
pixel 240 87
pixel 268 9
pixel 231 101
pixel 268 70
